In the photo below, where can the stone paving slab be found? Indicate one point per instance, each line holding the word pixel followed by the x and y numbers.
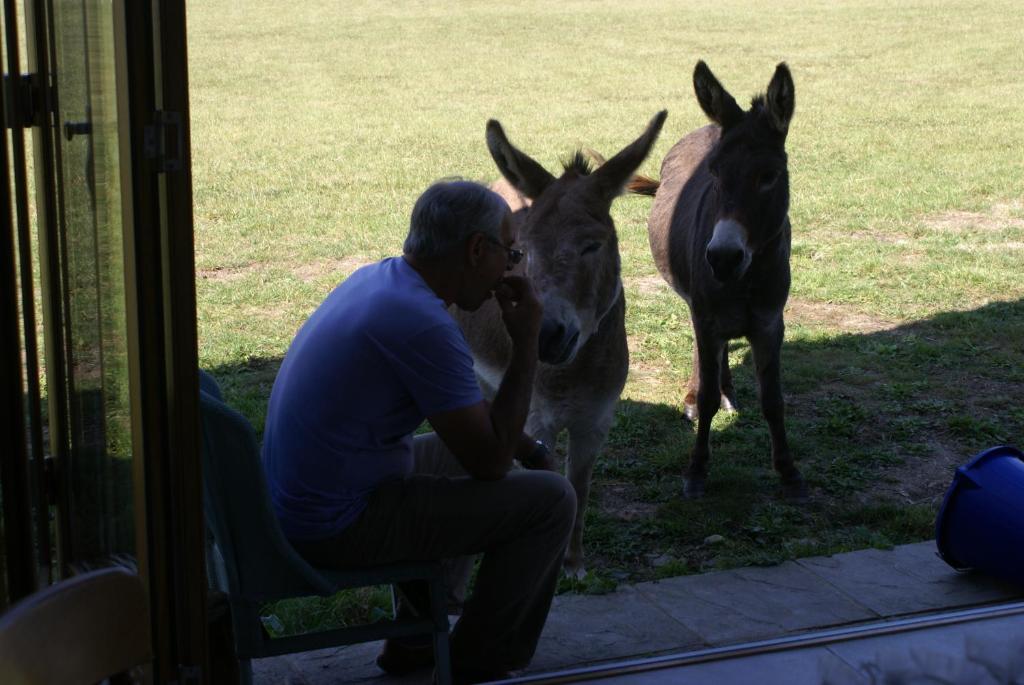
pixel 278 670
pixel 593 628
pixel 580 629
pixel 348 664
pixel 748 604
pixel 692 612
pixel 906 580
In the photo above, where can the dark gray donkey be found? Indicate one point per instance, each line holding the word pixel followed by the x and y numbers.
pixel 572 256
pixel 720 235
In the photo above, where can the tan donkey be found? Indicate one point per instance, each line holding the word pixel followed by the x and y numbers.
pixel 565 227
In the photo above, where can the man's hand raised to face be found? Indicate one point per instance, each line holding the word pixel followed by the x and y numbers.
pixel 486 437
pixel 520 309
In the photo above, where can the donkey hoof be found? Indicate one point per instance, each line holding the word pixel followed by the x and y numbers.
pixel 729 403
pixel 794 489
pixel 690 412
pixel 693 488
pixel 574 571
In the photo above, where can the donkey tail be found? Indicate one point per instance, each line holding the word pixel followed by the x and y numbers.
pixel 643 185
pixel 638 184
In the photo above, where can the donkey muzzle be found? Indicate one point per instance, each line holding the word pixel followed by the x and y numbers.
pixel 727 252
pixel 557 341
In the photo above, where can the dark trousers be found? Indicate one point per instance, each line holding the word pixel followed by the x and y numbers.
pixel 521 525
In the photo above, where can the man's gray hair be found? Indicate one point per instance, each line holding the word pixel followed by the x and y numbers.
pixel 448 212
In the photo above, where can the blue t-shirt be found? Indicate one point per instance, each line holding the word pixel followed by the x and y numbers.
pixel 377 357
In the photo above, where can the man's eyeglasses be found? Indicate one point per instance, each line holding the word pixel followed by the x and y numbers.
pixel 513 255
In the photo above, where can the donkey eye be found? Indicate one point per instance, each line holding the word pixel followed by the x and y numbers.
pixel 592 247
pixel 767 180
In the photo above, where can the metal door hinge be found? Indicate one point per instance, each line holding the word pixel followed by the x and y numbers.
pixel 24 101
pixel 77 128
pixel 166 126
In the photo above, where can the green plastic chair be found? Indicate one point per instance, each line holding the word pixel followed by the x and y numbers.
pixel 252 562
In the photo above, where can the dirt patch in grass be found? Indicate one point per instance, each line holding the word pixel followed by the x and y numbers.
pixel 225 274
pixel 339 268
pixel 921 478
pixel 647 285
pixel 642 372
pixel 272 314
pixel 898 239
pixel 1010 245
pixel 834 317
pixel 901 445
pixel 881 450
pixel 649 377
pixel 307 272
pixel 621 501
pixel 999 217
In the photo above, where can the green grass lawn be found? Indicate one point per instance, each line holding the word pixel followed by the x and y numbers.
pixel 317 124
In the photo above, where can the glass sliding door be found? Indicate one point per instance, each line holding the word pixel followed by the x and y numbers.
pixel 16 538
pixel 97 512
pixel 105 97
pixel 26 521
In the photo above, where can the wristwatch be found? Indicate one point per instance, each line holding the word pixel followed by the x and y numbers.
pixel 537 456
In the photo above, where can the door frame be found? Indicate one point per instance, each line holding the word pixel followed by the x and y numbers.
pixel 152 63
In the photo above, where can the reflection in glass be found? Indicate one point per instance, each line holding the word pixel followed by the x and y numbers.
pixel 100 517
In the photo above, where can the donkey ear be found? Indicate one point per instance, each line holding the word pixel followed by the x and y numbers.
pixel 780 98
pixel 522 172
pixel 611 178
pixel 715 100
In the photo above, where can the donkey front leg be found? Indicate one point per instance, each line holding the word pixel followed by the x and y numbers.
pixel 708 401
pixel 585 442
pixel 767 348
pixel 693 385
pixel 728 391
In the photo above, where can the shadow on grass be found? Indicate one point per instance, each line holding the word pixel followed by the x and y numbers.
pixel 878 422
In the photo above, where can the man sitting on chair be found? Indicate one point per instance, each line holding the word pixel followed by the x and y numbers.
pixel 353 487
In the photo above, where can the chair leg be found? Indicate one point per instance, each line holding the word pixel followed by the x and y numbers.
pixel 394 602
pixel 245 671
pixel 439 612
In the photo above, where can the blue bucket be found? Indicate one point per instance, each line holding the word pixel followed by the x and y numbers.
pixel 981 523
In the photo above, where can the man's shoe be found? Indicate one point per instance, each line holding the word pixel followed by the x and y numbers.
pixel 400 657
